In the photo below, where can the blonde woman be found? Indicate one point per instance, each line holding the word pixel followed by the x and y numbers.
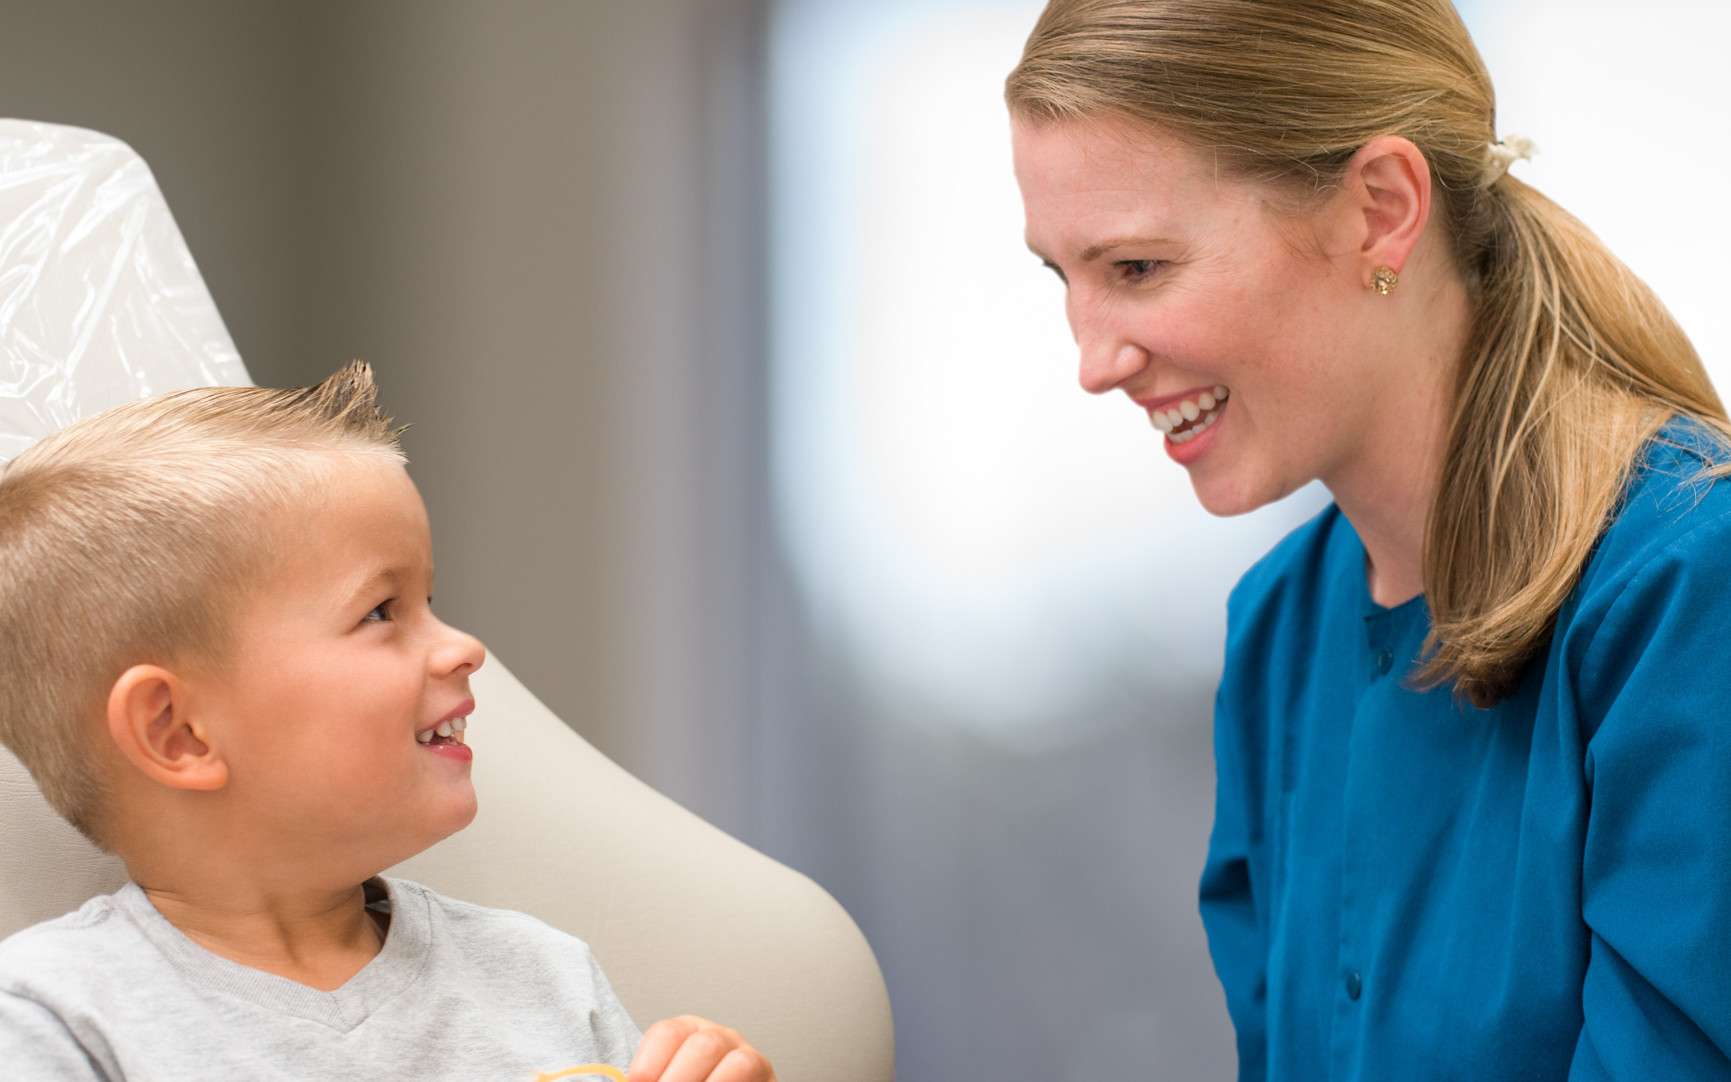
pixel 1473 738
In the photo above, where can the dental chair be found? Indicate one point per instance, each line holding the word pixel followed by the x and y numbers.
pixel 101 303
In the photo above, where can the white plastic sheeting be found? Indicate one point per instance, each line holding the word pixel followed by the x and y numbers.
pixel 100 301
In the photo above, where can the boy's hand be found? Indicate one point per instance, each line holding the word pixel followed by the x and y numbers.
pixel 692 1049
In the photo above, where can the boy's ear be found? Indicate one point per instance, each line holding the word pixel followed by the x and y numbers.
pixel 148 721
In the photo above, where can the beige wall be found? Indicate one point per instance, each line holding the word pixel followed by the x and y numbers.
pixel 503 207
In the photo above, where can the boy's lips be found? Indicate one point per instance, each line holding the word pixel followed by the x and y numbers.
pixel 461 710
pixel 446 735
pixel 455 751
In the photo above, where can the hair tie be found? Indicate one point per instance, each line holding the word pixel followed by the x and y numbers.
pixel 1502 154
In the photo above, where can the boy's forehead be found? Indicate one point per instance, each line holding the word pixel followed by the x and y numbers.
pixel 356 533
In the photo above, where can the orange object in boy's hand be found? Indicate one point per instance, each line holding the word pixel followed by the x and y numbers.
pixel 692 1049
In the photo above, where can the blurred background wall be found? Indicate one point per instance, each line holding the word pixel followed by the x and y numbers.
pixel 750 435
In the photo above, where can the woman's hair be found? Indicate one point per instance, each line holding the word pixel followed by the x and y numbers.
pixel 133 535
pixel 1572 364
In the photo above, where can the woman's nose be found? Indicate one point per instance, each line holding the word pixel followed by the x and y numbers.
pixel 1110 364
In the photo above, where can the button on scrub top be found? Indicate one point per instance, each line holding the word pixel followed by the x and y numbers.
pixel 1400 887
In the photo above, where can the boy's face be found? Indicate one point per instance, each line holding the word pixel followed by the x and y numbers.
pixel 335 670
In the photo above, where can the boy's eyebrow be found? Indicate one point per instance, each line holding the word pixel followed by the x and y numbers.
pixel 391 575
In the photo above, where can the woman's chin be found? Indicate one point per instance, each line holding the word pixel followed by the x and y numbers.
pixel 1231 495
pixel 1226 497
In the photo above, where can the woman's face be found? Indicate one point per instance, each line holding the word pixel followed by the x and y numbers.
pixel 1179 282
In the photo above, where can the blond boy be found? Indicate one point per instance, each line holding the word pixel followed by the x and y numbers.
pixel 221 664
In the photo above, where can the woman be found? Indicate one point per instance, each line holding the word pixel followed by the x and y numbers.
pixel 1474 762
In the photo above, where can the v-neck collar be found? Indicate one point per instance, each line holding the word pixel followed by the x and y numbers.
pixel 397 964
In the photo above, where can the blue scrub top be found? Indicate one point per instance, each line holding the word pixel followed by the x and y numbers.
pixel 1400 887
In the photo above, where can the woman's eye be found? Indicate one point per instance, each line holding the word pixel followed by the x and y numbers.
pixel 1134 270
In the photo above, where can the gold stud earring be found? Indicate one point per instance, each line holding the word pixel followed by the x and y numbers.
pixel 1384 280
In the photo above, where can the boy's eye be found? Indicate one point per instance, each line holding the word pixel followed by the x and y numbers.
pixel 380 609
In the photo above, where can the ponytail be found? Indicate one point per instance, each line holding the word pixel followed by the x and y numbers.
pixel 1572 366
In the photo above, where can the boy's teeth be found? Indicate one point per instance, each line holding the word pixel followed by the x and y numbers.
pixel 450 729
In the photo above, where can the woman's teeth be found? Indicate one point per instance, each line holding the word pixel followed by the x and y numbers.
pixel 1190 418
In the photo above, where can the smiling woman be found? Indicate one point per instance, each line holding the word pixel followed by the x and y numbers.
pixel 1490 629
pixel 1240 302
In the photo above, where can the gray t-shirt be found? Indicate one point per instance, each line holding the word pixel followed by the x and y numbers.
pixel 458 991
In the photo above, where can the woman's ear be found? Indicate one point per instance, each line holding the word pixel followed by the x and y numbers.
pixel 149 722
pixel 1388 190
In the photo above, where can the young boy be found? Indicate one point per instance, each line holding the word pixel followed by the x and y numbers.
pixel 221 665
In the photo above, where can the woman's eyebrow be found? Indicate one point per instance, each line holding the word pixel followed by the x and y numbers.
pixel 1095 251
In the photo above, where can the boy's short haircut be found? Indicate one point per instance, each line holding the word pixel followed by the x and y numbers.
pixel 131 537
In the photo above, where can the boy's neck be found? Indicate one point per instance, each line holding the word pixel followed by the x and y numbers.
pixel 317 937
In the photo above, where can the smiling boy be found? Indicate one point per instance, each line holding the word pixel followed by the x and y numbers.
pixel 221 664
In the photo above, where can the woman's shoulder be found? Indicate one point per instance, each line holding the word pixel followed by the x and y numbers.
pixel 1672 508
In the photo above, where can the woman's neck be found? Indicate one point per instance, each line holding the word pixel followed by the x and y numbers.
pixel 1388 500
pixel 1388 482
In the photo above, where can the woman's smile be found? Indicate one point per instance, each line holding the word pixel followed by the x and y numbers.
pixel 1193 440
pixel 1182 418
pixel 1187 421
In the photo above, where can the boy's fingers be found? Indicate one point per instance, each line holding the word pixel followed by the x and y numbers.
pixel 697 1057
pixel 656 1050
pixel 692 1049
pixel 743 1065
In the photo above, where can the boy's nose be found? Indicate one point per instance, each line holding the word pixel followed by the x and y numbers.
pixel 461 653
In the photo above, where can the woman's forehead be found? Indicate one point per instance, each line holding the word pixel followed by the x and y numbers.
pixel 1086 183
pixel 1124 151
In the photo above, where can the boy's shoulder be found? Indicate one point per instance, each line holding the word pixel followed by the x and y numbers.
pixel 90 940
pixel 513 954
pixel 95 916
pixel 472 926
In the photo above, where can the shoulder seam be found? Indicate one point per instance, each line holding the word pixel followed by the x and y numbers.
pixel 1647 562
